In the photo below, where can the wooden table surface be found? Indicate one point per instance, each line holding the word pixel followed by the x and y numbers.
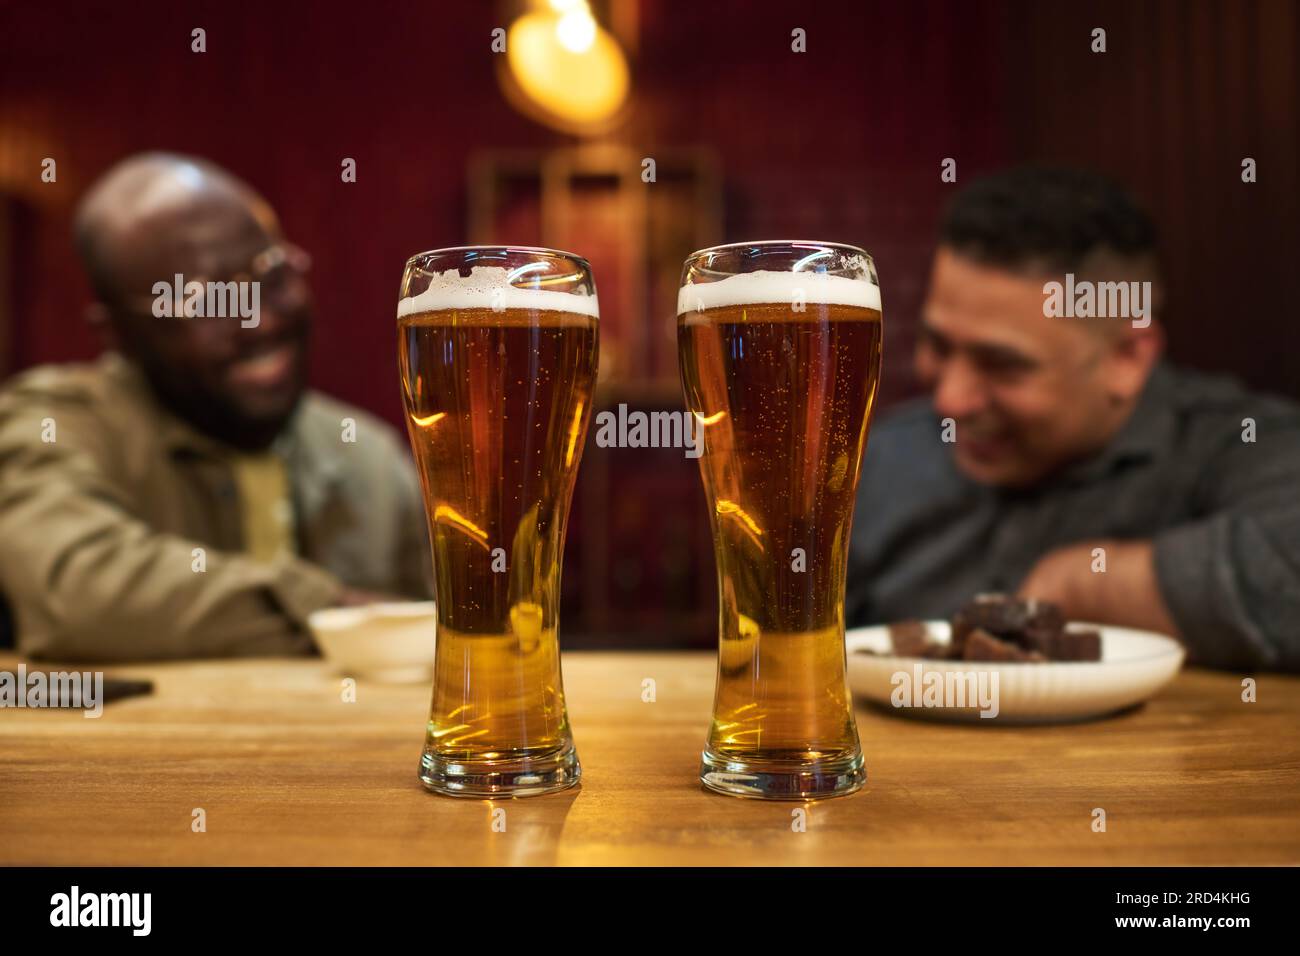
pixel 288 773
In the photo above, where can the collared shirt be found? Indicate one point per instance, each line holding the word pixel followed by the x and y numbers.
pixel 123 530
pixel 1205 470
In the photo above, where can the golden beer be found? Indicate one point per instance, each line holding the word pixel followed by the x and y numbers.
pixel 496 381
pixel 783 386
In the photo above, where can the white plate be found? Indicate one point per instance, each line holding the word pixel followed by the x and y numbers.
pixel 1134 666
pixel 391 642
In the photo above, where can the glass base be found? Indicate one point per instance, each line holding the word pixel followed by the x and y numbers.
pixel 783 780
pixel 512 777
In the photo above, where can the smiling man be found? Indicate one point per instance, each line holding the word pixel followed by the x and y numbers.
pixel 186 495
pixel 1063 457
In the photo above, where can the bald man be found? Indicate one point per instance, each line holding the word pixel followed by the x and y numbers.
pixel 186 495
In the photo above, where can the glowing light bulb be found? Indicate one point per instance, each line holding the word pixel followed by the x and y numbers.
pixel 576 31
pixel 565 71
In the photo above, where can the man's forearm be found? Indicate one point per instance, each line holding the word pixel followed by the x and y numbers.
pixel 1110 582
pixel 90 582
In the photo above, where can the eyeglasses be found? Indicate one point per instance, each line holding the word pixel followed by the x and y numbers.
pixel 278 270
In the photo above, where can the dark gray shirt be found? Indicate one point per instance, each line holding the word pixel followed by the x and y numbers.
pixel 1223 513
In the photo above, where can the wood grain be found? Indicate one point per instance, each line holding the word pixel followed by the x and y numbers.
pixel 288 773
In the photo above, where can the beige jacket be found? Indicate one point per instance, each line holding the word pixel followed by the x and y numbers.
pixel 98 527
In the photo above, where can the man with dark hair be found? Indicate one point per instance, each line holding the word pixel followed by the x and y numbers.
pixel 186 495
pixel 1061 457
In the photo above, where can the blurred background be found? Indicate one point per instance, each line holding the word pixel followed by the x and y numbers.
pixel 546 145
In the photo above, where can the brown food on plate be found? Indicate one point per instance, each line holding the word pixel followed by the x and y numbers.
pixel 997 627
pixel 982 646
pixel 1071 646
pixel 1036 630
pixel 910 638
pixel 913 639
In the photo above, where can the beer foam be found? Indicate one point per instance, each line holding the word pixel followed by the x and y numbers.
pixel 762 288
pixel 488 287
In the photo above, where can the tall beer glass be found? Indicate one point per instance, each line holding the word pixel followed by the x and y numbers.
pixel 497 349
pixel 779 344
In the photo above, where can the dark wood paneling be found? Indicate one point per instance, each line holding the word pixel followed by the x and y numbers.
pixel 1185 91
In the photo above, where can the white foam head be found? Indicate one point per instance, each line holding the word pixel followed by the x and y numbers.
pixel 488 287
pixel 760 288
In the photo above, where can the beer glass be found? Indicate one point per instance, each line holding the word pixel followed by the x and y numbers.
pixel 497 349
pixel 779 345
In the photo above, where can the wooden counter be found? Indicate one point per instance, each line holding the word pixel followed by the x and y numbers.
pixel 288 773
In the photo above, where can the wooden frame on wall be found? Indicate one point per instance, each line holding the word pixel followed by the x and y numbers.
pixel 639 564
pixel 594 200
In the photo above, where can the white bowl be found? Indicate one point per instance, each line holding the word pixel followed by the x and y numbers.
pixel 391 642
pixel 1134 665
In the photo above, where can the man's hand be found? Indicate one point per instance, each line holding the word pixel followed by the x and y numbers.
pixel 1126 593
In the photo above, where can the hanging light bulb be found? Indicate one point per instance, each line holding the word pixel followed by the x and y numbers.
pixel 563 69
pixel 576 30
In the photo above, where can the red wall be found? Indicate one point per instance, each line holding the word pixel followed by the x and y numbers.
pixel 842 142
